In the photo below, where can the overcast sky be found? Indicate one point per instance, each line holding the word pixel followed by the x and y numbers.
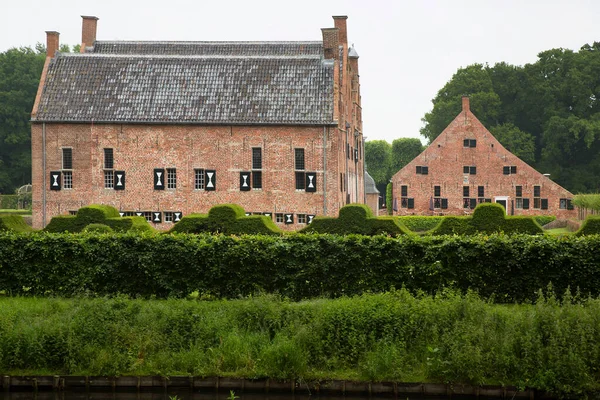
pixel 408 49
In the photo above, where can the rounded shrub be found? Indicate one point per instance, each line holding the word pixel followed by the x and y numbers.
pixel 488 217
pixel 591 226
pixel 98 228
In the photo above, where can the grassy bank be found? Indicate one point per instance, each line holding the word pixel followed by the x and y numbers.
pixel 392 336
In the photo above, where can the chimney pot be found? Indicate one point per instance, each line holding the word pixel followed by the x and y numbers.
pixel 88 31
pixel 52 43
pixel 465 103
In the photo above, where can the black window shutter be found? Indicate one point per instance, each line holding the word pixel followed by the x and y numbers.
pixel 159 178
pixel 473 170
pixel 211 180
pixel 419 169
pixel 513 169
pixel 466 143
pixel 311 181
pixel 506 170
pixel 244 181
pixel 425 170
pixel 544 204
pixel 473 143
pixel 472 203
pixel 55 182
pixel 525 204
pixel 465 191
pixel 309 218
pixel 569 204
pixel 411 203
pixel 156 217
pixel 177 216
pixel 466 169
pixel 119 180
pixel 288 219
pixel 444 204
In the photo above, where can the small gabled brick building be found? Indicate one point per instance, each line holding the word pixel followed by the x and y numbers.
pixel 464 166
pixel 164 129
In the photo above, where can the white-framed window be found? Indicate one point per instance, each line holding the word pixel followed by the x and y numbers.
pixel 279 218
pixel 171 178
pixel 301 218
pixel 109 164
pixel 67 179
pixel 109 179
pixel 168 216
pixel 199 179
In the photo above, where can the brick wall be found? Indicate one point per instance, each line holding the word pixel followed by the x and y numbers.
pixel 139 149
pixel 448 155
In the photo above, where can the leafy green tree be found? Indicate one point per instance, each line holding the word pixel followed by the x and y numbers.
pixel 404 150
pixel 20 71
pixel 378 156
pixel 520 143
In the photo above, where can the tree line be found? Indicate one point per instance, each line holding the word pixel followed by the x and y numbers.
pixel 547 113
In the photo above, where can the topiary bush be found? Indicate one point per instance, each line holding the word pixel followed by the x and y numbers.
pixel 356 219
pixel 229 219
pixel 98 228
pixel 488 218
pixel 97 214
pixel 591 226
pixel 544 219
pixel 14 223
pixel 522 224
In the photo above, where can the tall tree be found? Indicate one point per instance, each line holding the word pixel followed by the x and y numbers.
pixel 404 150
pixel 20 71
pixel 378 156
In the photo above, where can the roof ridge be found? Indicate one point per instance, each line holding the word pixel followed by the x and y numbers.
pixel 190 56
pixel 212 42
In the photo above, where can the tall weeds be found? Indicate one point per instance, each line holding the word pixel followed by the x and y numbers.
pixel 551 344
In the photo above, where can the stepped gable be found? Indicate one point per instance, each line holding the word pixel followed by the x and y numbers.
pixel 190 82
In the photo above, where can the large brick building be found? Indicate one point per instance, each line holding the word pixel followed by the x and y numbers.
pixel 464 166
pixel 163 129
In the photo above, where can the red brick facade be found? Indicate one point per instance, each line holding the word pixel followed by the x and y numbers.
pixel 466 165
pixel 334 152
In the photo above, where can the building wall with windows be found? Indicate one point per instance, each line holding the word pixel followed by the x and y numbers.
pixel 464 166
pixel 281 135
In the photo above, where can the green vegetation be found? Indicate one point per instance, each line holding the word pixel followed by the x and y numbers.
pixel 587 201
pixel 358 219
pixel 544 219
pixel 14 223
pixel 384 160
pixel 591 226
pixel 15 212
pixel 420 223
pixel 509 267
pixel 389 198
pixel 488 218
pixel 97 228
pixel 229 219
pixel 550 345
pixel 97 214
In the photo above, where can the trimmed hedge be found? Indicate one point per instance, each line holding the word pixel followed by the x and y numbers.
pixel 9 201
pixel 97 214
pixel 420 223
pixel 14 223
pixel 297 266
pixel 488 218
pixel 591 226
pixel 356 219
pixel 544 219
pixel 229 219
pixel 98 228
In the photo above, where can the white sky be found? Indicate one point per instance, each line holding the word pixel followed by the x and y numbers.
pixel 408 49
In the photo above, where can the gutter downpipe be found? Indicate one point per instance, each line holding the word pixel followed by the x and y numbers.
pixel 43 175
pixel 325 170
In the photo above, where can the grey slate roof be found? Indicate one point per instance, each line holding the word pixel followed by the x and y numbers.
pixel 210 48
pixel 370 184
pixel 273 87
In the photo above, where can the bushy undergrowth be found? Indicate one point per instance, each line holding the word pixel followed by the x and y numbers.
pixel 396 336
pixel 420 223
pixel 510 268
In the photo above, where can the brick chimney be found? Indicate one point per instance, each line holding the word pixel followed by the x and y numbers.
pixel 330 42
pixel 465 103
pixel 52 43
pixel 88 31
pixel 340 23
